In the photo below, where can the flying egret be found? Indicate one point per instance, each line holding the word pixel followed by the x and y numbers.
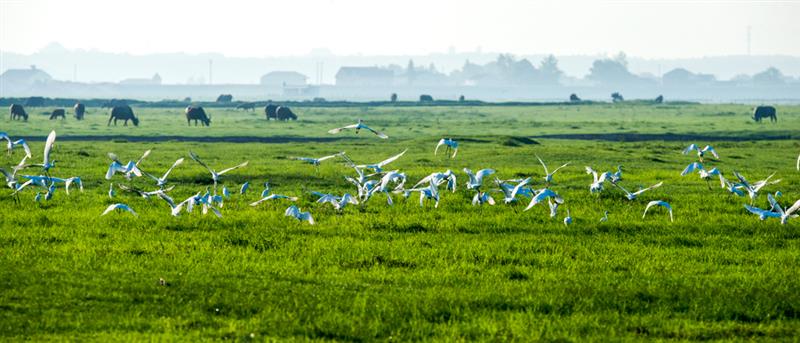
pixel 616 176
pixel 430 192
pixel 732 187
pixel 553 205
pixel 449 144
pixel 476 179
pixel 47 162
pixel 567 219
pixel 510 192
pixel 393 177
pixel 358 126
pixel 120 207
pixel 293 211
pixel 548 178
pixel 481 198
pixel 632 196
pixel 162 181
pixel 597 180
pixel 701 152
pixel 338 202
pixel 273 197
pixel 316 161
pixel 11 177
pixel 244 187
pixel 659 203
pixel 75 180
pixel 14 143
pixel 761 213
pixel 215 176
pixel 542 195
pixel 753 188
pixel 128 170
pixel 440 178
pixel 378 167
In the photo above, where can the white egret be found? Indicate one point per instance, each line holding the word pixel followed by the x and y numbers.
pixel 393 177
pixel 378 167
pixel 128 170
pixel 597 180
pixel 266 190
pixel 244 187
pixel 162 181
pixel 357 127
pixel 616 176
pixel 295 212
pixel 450 144
pixel 47 162
pixel 476 179
pixel 481 198
pixel 338 202
pixel 14 143
pixel 548 177
pixel 659 203
pixel 568 218
pixel 553 207
pixel 701 152
pixel 440 178
pixel 316 161
pixel 510 192
pixel 111 192
pixel 761 213
pixel 632 196
pixel 753 188
pixel 273 197
pixel 75 180
pixel 605 217
pixel 120 207
pixel 215 176
pixel 542 195
pixel 430 192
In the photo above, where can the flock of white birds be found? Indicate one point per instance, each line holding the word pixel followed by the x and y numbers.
pixel 372 179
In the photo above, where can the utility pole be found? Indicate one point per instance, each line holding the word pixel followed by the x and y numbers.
pixel 210 63
pixel 748 40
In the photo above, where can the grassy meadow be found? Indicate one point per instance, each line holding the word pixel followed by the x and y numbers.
pixel 377 273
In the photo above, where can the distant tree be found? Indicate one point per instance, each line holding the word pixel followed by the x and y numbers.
pixel 574 98
pixel 659 99
pixel 616 97
pixel 461 98
pixel 425 98
pixel 393 98
pixel 548 70
pixel 225 98
pixel 187 99
pixel 411 72
pixel 35 101
pixel 770 76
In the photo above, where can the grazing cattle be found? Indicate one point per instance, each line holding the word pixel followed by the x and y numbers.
pixel 58 112
pixel 17 111
pixel 659 99
pixel 761 112
pixel 425 98
pixel 269 110
pixel 225 98
pixel 285 113
pixel 246 106
pixel 574 98
pixel 80 110
pixel 123 113
pixel 197 113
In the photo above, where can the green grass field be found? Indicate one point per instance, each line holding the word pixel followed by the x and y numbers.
pixel 406 272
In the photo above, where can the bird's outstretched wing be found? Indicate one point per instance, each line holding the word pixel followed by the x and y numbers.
pixel 690 148
pixel 234 167
pixel 441 142
pixel 559 168
pixel 48 146
pixel 691 167
pixel 648 188
pixel 546 172
pixel 197 159
pixel 710 149
pixel 340 129
pixel 177 163
pixel 376 132
pixel 391 159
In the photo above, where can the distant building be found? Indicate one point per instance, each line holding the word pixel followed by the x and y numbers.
pixel 155 80
pixel 283 79
pixel 364 76
pixel 24 77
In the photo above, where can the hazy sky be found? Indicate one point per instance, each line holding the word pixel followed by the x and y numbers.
pixel 642 28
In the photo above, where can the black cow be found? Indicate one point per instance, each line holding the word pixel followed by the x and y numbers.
pixel 17 111
pixel 197 113
pixel 123 113
pixel 58 112
pixel 285 113
pixel 761 112
pixel 80 110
